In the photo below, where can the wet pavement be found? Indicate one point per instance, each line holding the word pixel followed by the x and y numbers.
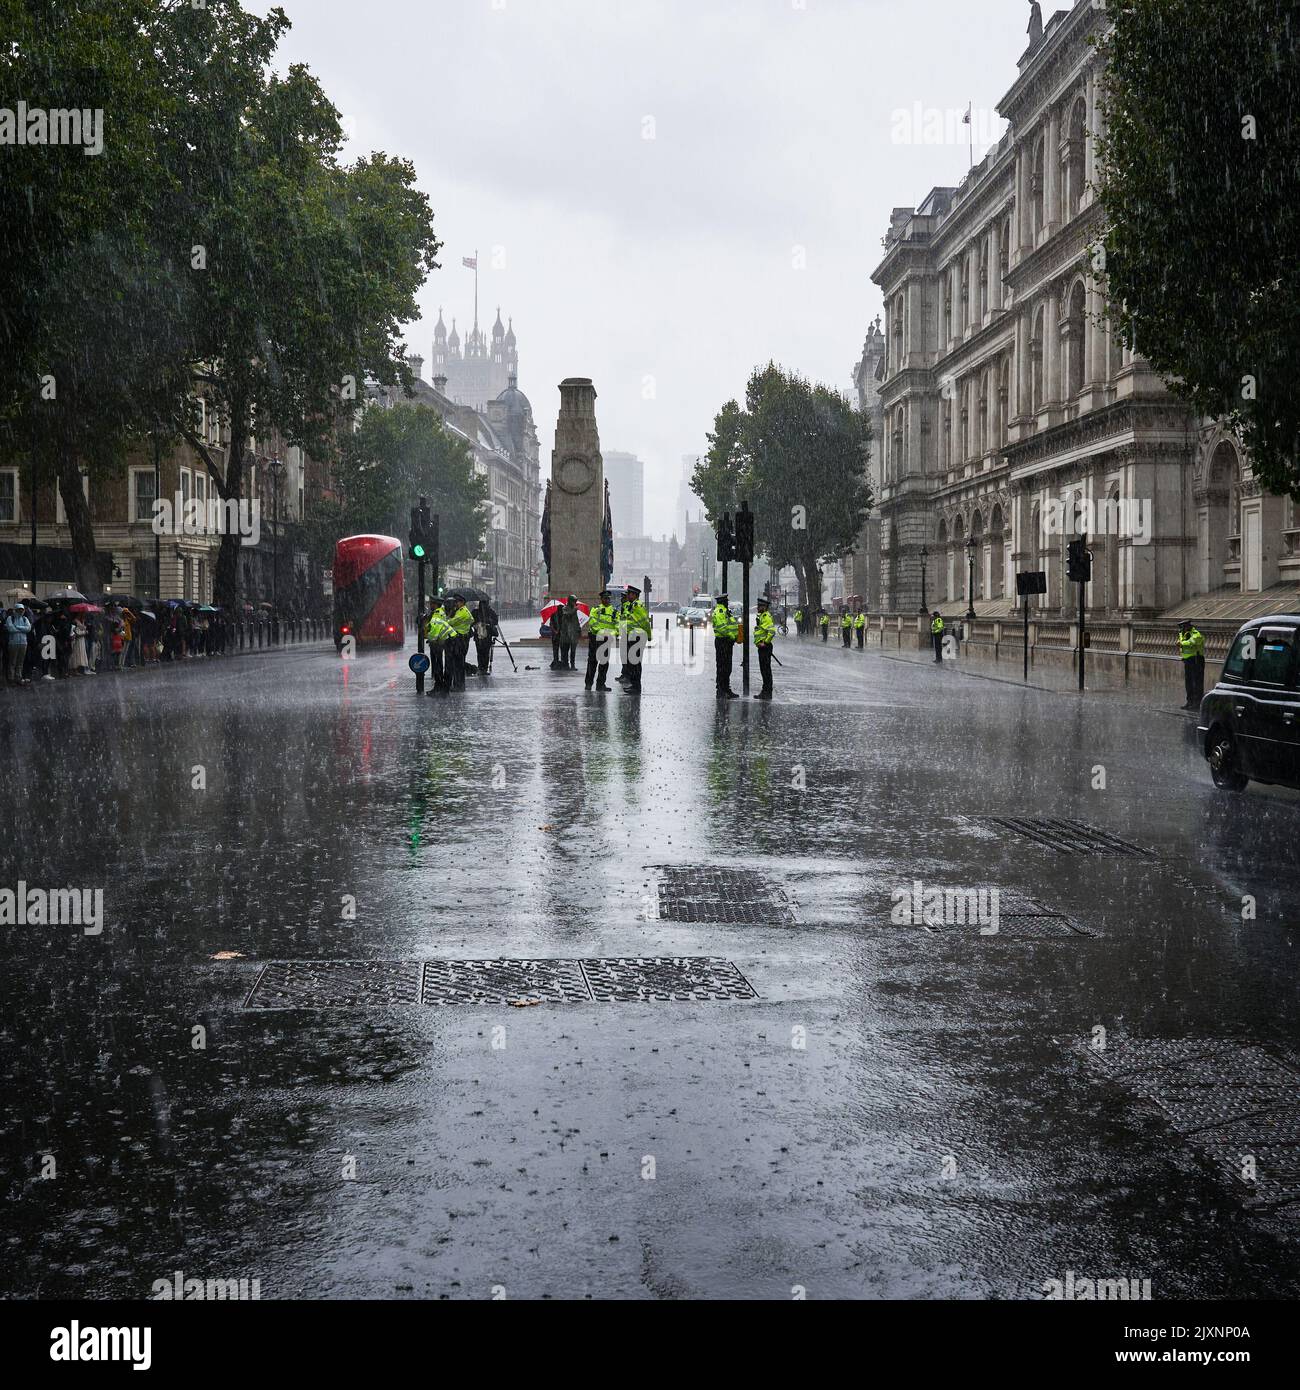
pixel 884 1110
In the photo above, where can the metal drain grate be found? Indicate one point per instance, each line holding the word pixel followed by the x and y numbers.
pixel 1070 837
pixel 365 984
pixel 708 894
pixel 665 979
pixel 502 981
pixel 335 984
pixel 1230 1099
pixel 1020 917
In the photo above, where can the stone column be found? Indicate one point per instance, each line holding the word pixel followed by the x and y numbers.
pixel 1090 143
pixel 1024 333
pixel 1022 199
pixel 1052 392
pixel 1052 173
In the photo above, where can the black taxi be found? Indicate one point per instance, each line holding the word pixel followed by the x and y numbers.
pixel 1249 723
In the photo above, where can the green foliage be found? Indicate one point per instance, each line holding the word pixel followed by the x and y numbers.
pixel 399 454
pixel 799 453
pixel 1200 168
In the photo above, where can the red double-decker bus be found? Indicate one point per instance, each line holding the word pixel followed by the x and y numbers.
pixel 368 591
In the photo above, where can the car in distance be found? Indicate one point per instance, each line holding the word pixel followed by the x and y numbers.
pixel 1249 724
pixel 696 613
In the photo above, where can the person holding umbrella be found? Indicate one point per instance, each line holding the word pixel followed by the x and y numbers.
pixel 570 622
pixel 485 631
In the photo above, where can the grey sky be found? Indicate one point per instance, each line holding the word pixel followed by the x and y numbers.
pixel 663 268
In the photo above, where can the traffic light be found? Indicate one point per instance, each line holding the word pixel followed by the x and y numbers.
pixel 1078 565
pixel 745 536
pixel 726 540
pixel 420 532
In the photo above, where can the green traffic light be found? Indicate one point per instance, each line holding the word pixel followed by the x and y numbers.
pixel 418 551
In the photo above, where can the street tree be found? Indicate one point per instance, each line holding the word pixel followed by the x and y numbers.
pixel 399 453
pixel 799 452
pixel 1198 179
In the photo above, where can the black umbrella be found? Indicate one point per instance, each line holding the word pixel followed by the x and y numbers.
pixel 470 595
pixel 67 596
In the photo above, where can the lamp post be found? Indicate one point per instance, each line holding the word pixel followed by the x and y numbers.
pixel 276 465
pixel 925 555
pixel 970 578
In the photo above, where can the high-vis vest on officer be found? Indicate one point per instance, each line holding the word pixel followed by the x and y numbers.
pixel 724 623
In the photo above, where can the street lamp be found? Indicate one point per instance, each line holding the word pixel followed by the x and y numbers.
pixel 925 555
pixel 276 464
pixel 970 578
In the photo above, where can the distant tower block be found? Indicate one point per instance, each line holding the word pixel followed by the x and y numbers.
pixel 577 494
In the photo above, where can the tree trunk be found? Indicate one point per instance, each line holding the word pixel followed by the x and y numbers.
pixel 79 522
pixel 813 584
pixel 226 578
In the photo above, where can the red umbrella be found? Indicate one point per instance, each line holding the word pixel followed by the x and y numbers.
pixel 84 608
pixel 550 609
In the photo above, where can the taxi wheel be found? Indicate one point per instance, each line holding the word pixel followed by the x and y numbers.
pixel 1223 763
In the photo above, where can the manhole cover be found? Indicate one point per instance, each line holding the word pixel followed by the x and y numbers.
pixel 707 894
pixel 664 979
pixel 335 984
pixel 1070 837
pixel 1231 1100
pixel 502 981
pixel 361 984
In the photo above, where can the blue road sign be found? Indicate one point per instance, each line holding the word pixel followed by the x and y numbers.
pixel 419 663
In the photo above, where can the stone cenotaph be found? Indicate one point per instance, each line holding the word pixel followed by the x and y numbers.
pixel 577 494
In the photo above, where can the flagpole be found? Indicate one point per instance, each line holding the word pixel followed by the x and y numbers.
pixel 970 134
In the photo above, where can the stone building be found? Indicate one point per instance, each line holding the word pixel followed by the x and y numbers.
pixel 502 437
pixel 1008 401
pixel 280 479
pixel 862 567
pixel 477 371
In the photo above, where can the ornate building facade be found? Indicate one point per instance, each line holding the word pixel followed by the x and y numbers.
pixel 478 371
pixel 862 567
pixel 1011 409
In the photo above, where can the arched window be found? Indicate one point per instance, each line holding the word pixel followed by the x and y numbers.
pixel 984 278
pixel 963 421
pixel 1076 147
pixel 1075 326
pixel 998 563
pixel 945 442
pixel 897 446
pixel 943 558
pixel 1112 557
pixel 1004 398
pixel 1004 262
pixel 1036 361
pixel 982 443
pixel 977 535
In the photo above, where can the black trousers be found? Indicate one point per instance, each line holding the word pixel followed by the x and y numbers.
pixel 555 647
pixel 483 653
pixel 724 649
pixel 765 666
pixel 597 670
pixel 826 631
pixel 862 633
pixel 567 650
pixel 438 664
pixel 1194 678
pixel 456 649
pixel 937 639
pixel 847 635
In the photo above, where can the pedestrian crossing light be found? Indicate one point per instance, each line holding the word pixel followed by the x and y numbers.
pixel 420 532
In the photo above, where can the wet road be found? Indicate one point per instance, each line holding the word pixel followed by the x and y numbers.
pixel 899 1112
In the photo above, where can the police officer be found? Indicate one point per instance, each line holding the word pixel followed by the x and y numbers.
pixel 726 631
pixel 439 633
pixel 1191 647
pixel 461 621
pixel 602 627
pixel 846 628
pixel 764 632
pixel 936 634
pixel 798 622
pixel 824 622
pixel 634 621
pixel 860 627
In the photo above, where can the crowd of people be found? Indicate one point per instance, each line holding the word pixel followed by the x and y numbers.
pixel 68 636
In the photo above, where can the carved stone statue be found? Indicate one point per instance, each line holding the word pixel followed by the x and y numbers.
pixel 1035 22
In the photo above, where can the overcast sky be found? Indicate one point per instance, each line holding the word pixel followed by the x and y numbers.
pixel 663 268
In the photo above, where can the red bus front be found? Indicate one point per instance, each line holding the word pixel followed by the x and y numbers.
pixel 368 591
